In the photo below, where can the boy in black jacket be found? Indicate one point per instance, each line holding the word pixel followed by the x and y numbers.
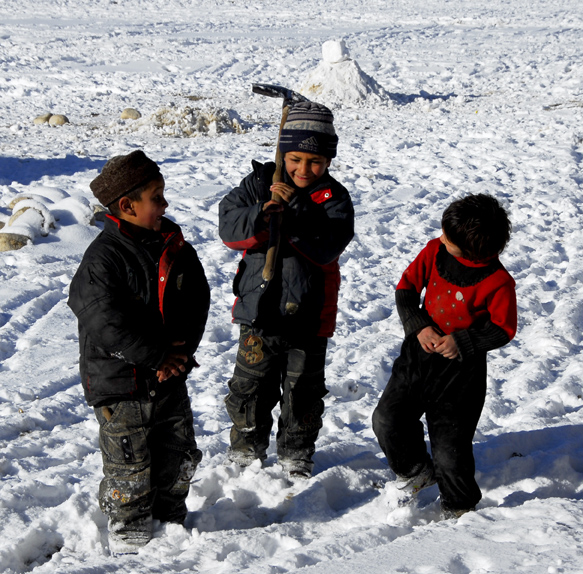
pixel 285 322
pixel 142 300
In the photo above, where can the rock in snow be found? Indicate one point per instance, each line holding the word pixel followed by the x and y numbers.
pixel 130 114
pixel 43 119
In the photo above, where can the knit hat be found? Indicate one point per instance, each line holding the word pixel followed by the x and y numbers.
pixel 121 175
pixel 309 128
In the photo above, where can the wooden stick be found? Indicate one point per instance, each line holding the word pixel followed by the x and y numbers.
pixel 276 218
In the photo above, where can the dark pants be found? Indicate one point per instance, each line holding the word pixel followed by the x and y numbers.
pixel 451 393
pixel 272 369
pixel 149 457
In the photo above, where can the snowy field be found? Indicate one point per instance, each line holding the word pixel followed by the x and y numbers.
pixel 477 97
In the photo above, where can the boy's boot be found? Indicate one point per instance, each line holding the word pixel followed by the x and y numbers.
pixel 451 514
pixel 297 463
pixel 423 477
pixel 248 446
pixel 127 538
pixel 297 468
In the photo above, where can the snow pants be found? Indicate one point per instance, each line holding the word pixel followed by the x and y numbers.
pixel 272 369
pixel 451 393
pixel 149 457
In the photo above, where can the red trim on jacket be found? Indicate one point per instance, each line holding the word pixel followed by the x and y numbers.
pixel 167 259
pixel 250 243
pixel 321 195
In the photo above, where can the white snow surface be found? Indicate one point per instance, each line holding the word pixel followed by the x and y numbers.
pixel 482 97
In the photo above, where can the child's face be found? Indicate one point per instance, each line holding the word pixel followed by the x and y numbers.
pixel 305 168
pixel 148 211
pixel 452 248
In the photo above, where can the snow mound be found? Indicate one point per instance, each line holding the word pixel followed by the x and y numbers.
pixel 185 122
pixel 338 80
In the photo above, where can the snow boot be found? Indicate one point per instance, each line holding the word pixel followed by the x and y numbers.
pixel 243 457
pixel 297 468
pixel 451 514
pixel 423 477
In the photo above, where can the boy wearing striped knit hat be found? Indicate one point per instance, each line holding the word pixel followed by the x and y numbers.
pixel 285 321
pixel 469 309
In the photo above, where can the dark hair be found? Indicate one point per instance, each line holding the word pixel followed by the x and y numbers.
pixel 133 195
pixel 478 225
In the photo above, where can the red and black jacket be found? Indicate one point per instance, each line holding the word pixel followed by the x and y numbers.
pixel 474 302
pixel 318 224
pixel 133 295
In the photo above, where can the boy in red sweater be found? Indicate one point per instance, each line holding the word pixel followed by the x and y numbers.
pixel 469 308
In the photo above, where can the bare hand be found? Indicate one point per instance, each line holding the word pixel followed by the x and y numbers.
pixel 432 342
pixel 285 191
pixel 447 347
pixel 428 338
pixel 270 208
pixel 173 364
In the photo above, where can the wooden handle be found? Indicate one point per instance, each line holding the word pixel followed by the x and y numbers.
pixel 275 219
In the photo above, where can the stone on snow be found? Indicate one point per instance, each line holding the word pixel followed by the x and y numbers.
pixel 58 120
pixel 130 114
pixel 42 119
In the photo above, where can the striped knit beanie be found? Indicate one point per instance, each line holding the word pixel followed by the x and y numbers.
pixel 309 128
pixel 121 175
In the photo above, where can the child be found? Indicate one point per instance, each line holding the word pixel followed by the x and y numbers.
pixel 469 308
pixel 142 299
pixel 285 322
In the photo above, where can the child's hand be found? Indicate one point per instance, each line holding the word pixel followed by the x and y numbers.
pixel 271 207
pixel 447 347
pixel 429 338
pixel 173 364
pixel 285 191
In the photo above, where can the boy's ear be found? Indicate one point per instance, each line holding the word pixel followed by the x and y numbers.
pixel 125 206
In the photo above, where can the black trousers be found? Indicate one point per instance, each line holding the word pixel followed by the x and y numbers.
pixel 272 369
pixel 149 457
pixel 451 394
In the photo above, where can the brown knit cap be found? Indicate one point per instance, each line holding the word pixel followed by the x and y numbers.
pixel 121 175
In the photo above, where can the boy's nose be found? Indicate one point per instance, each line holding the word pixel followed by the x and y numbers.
pixel 303 168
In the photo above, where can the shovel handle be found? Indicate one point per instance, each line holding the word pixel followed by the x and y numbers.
pixel 275 219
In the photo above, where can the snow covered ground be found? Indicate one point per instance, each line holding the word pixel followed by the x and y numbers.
pixel 480 97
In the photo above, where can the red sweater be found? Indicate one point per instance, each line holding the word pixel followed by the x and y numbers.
pixel 461 298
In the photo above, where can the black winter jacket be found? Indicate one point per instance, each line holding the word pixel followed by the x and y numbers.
pixel 318 224
pixel 133 296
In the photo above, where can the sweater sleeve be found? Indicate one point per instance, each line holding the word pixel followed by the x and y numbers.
pixel 411 314
pixel 494 332
pixel 409 289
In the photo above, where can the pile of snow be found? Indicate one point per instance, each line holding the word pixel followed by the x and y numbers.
pixel 187 121
pixel 35 214
pixel 338 80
